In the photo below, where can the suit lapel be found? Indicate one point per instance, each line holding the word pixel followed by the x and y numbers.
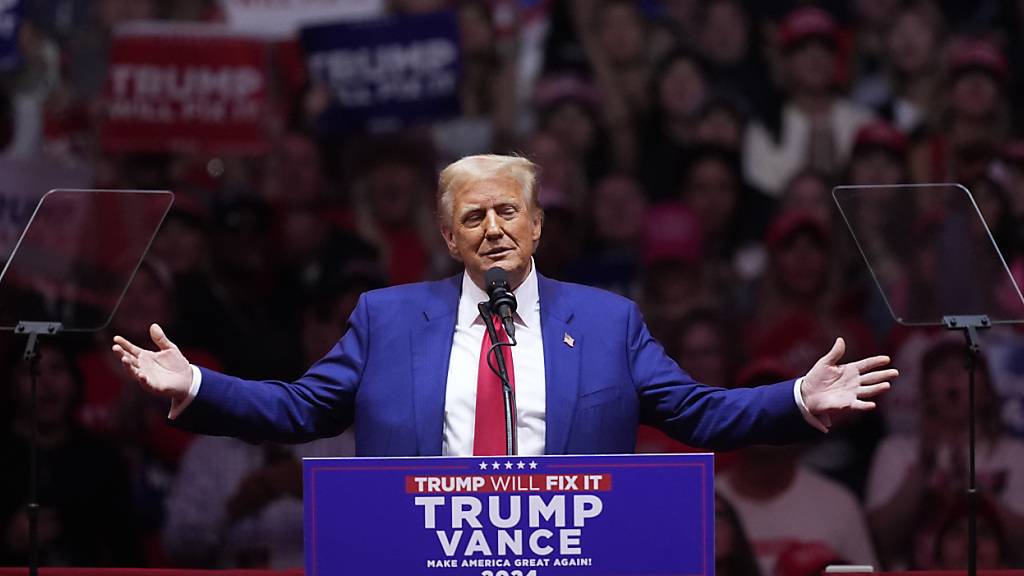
pixel 431 336
pixel 561 364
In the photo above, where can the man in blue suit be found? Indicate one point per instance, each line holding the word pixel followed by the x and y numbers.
pixel 409 371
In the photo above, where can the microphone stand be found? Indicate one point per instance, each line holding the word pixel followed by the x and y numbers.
pixel 511 442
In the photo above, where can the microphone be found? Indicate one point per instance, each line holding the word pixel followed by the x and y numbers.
pixel 502 301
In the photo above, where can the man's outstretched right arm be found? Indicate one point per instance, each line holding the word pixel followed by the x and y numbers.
pixel 318 404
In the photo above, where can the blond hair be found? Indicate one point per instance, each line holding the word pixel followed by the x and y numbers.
pixel 485 167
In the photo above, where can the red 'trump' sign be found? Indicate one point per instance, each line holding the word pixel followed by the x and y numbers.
pixel 186 89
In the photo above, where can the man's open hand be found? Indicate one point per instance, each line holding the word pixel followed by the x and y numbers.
pixel 832 388
pixel 165 373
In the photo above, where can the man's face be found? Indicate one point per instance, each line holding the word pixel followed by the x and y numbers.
pixel 492 226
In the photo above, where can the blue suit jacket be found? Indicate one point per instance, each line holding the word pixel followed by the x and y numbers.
pixel 389 371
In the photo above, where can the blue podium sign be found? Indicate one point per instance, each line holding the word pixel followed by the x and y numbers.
pixel 510 516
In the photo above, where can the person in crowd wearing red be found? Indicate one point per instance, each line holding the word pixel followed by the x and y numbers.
pixel 971 123
pixel 391 207
pixel 673 280
pixel 817 124
pixel 796 309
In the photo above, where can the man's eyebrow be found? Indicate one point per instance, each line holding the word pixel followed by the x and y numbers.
pixel 466 208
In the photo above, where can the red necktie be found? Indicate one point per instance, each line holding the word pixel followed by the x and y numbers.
pixel 489 436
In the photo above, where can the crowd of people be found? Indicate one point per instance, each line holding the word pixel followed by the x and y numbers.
pixel 688 151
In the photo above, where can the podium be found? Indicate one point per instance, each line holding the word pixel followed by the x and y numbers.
pixel 510 515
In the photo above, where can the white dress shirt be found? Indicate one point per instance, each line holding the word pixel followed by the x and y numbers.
pixel 527 367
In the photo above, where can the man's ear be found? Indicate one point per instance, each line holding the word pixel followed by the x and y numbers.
pixel 449 241
pixel 538 223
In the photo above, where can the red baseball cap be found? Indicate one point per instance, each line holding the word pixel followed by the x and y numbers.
pixel 807 22
pixel 671 232
pixel 881 134
pixel 968 54
pixel 787 224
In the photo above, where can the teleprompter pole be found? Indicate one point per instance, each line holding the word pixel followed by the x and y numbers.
pixel 31 355
pixel 970 325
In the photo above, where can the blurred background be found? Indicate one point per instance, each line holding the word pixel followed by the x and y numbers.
pixel 688 149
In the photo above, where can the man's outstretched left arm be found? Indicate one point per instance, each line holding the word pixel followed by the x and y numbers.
pixel 722 419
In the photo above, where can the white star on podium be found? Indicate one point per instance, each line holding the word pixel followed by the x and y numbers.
pixel 483 465
pixel 508 465
pixel 521 465
pixel 495 465
pixel 533 465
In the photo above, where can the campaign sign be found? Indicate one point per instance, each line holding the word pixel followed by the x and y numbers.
pixel 280 18
pixel 510 516
pixel 388 72
pixel 22 183
pixel 188 88
pixel 10 22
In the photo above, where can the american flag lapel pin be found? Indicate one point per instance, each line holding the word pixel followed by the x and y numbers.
pixel 569 340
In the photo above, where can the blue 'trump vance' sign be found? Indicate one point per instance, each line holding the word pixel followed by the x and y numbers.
pixel 510 515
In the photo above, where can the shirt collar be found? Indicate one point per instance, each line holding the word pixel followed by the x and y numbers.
pixel 527 301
